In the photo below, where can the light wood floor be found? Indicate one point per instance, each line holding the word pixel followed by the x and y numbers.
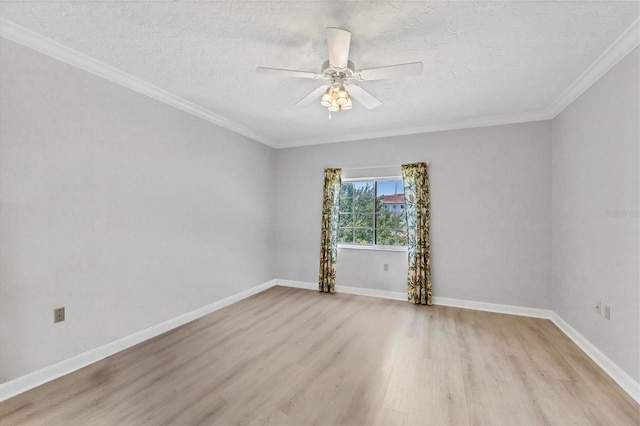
pixel 290 356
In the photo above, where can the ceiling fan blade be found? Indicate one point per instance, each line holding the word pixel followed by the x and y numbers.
pixel 362 96
pixel 338 41
pixel 391 71
pixel 287 73
pixel 315 94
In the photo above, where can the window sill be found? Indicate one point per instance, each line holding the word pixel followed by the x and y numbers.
pixel 374 248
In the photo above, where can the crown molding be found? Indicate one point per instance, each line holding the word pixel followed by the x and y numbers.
pixel 620 48
pixel 49 47
pixel 626 42
pixel 454 125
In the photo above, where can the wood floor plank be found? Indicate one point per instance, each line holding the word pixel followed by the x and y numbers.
pixel 386 417
pixel 289 357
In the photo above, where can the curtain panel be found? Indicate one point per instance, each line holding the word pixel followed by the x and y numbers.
pixel 329 234
pixel 417 212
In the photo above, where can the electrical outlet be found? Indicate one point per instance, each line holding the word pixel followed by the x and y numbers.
pixel 598 308
pixel 58 315
pixel 386 266
pixel 607 312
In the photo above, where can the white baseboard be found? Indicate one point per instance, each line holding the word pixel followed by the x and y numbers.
pixel 345 289
pixel 394 295
pixel 44 375
pixel 31 380
pixel 443 301
pixel 625 381
pixel 493 307
pixel 297 284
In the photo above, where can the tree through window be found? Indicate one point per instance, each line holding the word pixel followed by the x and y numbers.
pixel 372 213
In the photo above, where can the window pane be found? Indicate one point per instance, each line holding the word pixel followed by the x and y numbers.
pixel 357 197
pixel 363 236
pixel 345 235
pixel 363 186
pixel 346 190
pixel 363 196
pixel 365 205
pixel 346 204
pixel 345 220
pixel 391 237
pixel 401 237
pixel 389 187
pixel 390 196
pixel 363 220
pixel 386 219
pixel 394 220
pixel 355 220
pixel 385 187
pixel 385 237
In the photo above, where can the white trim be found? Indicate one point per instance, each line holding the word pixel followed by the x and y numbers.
pixel 628 40
pixel 49 47
pixel 620 48
pixel 380 166
pixel 442 301
pixel 297 284
pixel 626 382
pixel 372 247
pixel 345 289
pixel 455 125
pixel 493 307
pixel 54 371
pixel 368 179
pixel 31 380
pixel 384 294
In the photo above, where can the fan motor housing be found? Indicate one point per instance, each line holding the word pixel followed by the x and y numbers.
pixel 335 74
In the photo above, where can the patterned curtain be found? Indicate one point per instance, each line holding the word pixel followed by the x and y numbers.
pixel 417 210
pixel 329 236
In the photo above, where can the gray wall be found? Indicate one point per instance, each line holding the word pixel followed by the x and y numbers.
pixel 129 212
pixel 122 209
pixel 595 214
pixel 491 212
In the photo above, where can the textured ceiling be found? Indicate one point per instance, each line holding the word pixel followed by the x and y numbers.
pixel 482 59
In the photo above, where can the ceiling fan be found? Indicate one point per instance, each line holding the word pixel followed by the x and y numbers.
pixel 340 76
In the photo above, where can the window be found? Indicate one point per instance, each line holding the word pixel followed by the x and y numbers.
pixel 372 213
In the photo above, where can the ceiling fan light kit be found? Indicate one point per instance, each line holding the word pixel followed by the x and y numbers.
pixel 342 96
pixel 327 98
pixel 336 98
pixel 341 75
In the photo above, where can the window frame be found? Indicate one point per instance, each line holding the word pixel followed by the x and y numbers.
pixel 374 246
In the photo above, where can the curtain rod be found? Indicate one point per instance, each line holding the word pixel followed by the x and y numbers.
pixel 383 166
